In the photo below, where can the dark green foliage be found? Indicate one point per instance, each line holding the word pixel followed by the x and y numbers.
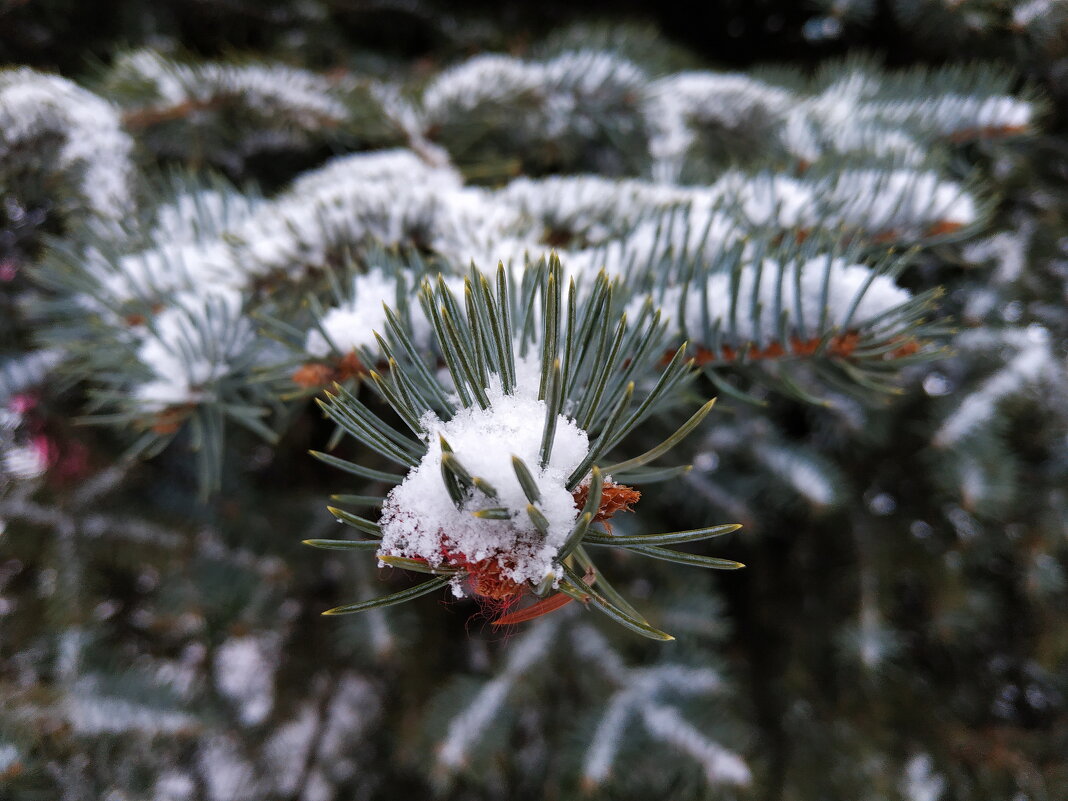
pixel 899 631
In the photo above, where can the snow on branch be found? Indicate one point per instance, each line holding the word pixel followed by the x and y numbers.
pixel 862 111
pixel 811 477
pixel 580 102
pixel 721 766
pixel 766 309
pixel 19 373
pixel 1031 361
pixel 225 112
pixel 896 205
pixel 244 671
pixel 646 693
pixel 501 482
pixel 481 80
pixel 580 210
pixel 961 117
pixel 216 236
pixel 49 124
pixel 736 261
pixel 188 250
pixel 469 727
pixel 769 200
pixel 951 103
pixel 882 204
pixel 22 456
pixel 88 711
pixel 486 441
pixel 189 361
pixel 560 92
pixel 688 108
pixel 351 325
pixel 285 95
pixel 389 197
pixel 189 347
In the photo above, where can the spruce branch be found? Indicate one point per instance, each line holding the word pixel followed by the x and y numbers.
pixel 764 312
pixel 502 524
pixel 53 133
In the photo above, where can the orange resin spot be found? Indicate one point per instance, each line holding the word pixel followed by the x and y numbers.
pixel 907 348
pixel 170 420
pixel 488 582
pixel 486 577
pixel 614 498
pixel 315 375
pixel 349 367
pixel 841 346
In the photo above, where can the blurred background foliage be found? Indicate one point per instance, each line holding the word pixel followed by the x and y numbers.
pixel 901 631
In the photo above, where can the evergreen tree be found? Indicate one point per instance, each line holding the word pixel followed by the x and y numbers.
pixel 475 308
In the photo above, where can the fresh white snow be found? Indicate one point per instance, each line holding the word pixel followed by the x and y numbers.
pixel 420 520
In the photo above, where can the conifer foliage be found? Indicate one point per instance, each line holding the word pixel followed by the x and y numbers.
pixel 517 339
